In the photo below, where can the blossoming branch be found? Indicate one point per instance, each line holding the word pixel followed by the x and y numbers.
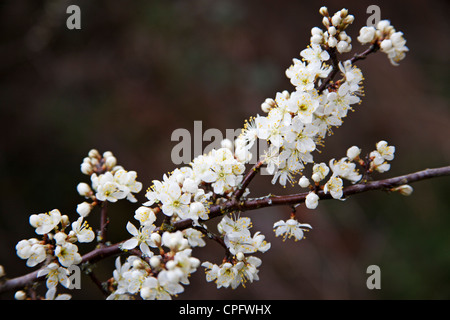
pixel 156 261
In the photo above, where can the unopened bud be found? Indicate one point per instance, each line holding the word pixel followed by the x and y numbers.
pixel 405 190
pixel 93 153
pixel 138 264
pixel 343 13
pixel 324 11
pixel 107 154
pixel 353 153
pixel 304 182
pixel 240 256
pixel 336 20
pixel 349 19
pixel 226 143
pixel 155 262
pixel 84 209
pixel 110 162
pixel 20 295
pixel 156 238
pixel 84 189
pixel 332 30
pixel 86 168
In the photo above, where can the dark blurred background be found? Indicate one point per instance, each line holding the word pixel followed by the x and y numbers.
pixel 138 70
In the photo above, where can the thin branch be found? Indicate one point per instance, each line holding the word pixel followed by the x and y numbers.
pixel 361 56
pixel 333 72
pixel 247 179
pixel 103 222
pixel 246 205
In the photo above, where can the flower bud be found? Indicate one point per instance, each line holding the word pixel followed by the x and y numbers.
pixel 170 265
pixel 326 22
pixel 110 162
pixel 84 189
pixel 405 190
pixel 366 35
pixel 227 143
pixel 324 11
pixel 332 42
pixel 155 262
pixel 285 94
pixel 316 31
pixel 386 45
pixel 353 153
pixel 64 221
pixel 93 153
pixel 316 177
pixel 20 295
pixel 349 19
pixel 312 200
pixel 107 154
pixel 336 20
pixel 240 256
pixel 383 25
pixel 343 46
pixel 304 182
pixel 60 238
pixel 343 13
pixel 156 238
pixel 34 220
pixel 332 30
pixel 2 271
pixel 316 39
pixel 84 209
pixel 86 168
pixel 138 264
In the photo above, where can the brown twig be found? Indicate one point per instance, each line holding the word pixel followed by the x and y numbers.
pixel 247 179
pixel 103 222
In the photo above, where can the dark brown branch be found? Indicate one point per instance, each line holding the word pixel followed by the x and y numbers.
pixel 335 64
pixel 103 222
pixel 333 72
pixel 247 179
pixel 361 56
pixel 246 205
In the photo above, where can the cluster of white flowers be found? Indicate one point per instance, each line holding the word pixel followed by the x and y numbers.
pixel 335 36
pixel 57 249
pixel 239 268
pixel 109 181
pixel 390 41
pixel 235 273
pixel 186 192
pixel 298 122
pixel 157 277
pixel 345 168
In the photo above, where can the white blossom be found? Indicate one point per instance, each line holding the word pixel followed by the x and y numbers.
pixel 67 254
pixel 45 222
pixel 82 230
pixel 55 274
pixel 32 250
pixel 291 228
pixel 141 237
pixel 386 151
pixel 334 186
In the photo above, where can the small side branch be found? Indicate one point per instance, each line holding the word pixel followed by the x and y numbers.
pixel 247 179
